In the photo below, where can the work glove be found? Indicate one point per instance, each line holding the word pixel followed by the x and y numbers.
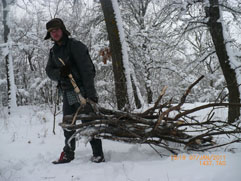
pixel 65 71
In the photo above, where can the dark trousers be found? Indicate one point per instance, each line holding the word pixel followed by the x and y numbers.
pixel 69 149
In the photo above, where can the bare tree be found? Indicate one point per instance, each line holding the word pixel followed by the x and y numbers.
pixel 8 56
pixel 229 73
pixel 138 11
pixel 121 82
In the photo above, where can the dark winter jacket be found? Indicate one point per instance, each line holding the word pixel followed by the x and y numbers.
pixel 75 54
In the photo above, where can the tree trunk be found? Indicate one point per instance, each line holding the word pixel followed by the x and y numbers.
pixel 6 31
pixel 117 59
pixel 8 58
pixel 8 82
pixel 149 93
pixel 216 31
pixel 148 86
pixel 137 100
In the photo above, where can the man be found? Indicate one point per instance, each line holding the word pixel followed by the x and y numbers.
pixel 77 62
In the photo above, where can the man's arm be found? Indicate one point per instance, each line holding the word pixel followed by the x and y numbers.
pixel 86 68
pixel 52 71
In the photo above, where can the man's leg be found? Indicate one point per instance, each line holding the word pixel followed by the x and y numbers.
pixel 69 147
pixel 96 145
pixel 68 151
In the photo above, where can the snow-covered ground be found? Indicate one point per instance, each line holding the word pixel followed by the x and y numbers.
pixel 28 147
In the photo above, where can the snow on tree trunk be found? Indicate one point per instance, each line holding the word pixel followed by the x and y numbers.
pixel 12 103
pixel 234 63
pixel 121 68
pixel 227 62
pixel 124 51
pixel 13 99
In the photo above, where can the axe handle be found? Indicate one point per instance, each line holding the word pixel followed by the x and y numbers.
pixel 76 88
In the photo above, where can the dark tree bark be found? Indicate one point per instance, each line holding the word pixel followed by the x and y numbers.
pixel 137 101
pixel 29 57
pixel 149 94
pixel 115 47
pixel 6 32
pixel 216 31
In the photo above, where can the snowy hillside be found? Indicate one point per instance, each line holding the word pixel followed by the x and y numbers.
pixel 28 147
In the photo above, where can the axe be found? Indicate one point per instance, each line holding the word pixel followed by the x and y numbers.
pixel 77 91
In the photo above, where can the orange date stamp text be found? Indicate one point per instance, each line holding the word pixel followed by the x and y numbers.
pixel 205 160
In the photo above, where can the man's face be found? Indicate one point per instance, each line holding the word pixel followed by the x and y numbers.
pixel 56 34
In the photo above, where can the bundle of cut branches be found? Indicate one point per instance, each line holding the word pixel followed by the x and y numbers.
pixel 160 125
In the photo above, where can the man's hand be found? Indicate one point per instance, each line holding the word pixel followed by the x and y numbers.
pixel 65 71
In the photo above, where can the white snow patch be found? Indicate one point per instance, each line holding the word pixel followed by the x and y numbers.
pixel 28 147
